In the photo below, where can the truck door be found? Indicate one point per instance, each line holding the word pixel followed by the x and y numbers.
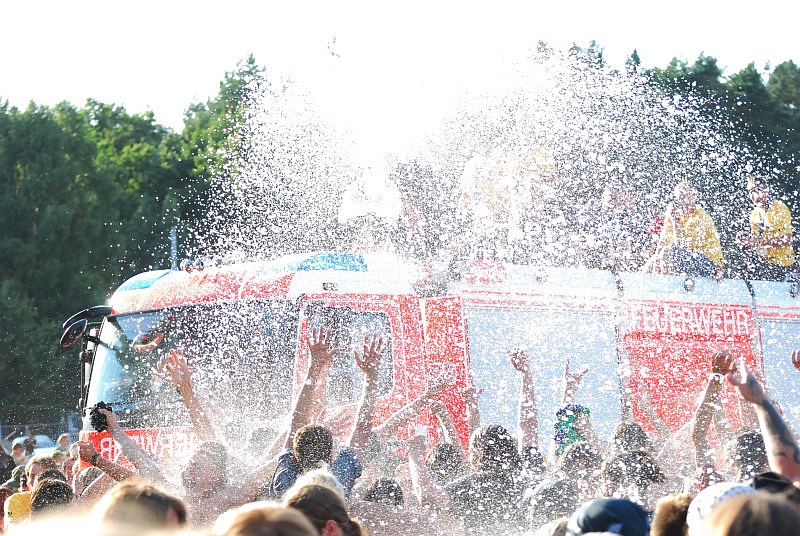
pixel 778 321
pixel 556 314
pixel 671 325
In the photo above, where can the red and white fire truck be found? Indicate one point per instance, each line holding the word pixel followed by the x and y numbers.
pixel 245 326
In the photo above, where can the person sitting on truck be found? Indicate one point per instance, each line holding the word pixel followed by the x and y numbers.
pixel 768 244
pixel 313 444
pixel 689 242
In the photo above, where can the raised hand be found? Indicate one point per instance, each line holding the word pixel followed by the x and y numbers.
pixel 796 359
pixel 723 362
pixel 86 451
pixel 440 384
pixel 520 360
pixel 320 355
pixel 748 386
pixel 176 368
pixel 369 360
pixel 572 379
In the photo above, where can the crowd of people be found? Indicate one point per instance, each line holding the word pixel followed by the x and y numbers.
pixel 308 483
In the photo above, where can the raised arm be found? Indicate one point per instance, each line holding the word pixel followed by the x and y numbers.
pixel 414 409
pixel 310 400
pixel 427 491
pixel 147 466
pixel 89 454
pixel 571 383
pixel 176 369
pixel 722 363
pixel 528 426
pixel 644 403
pixel 369 362
pixel 783 452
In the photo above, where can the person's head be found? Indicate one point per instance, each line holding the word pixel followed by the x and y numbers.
pixel 669 518
pixel 36 465
pixel 551 500
pixel 747 454
pixel 52 473
pixel 686 197
pixel 384 491
pixel 312 446
pixel 18 480
pixel 619 516
pixel 134 503
pixel 636 467
pixel 50 495
pixel 446 463
pixel 629 436
pixel 758 189
pixel 207 470
pixel 17 448
pixel 708 499
pixel 554 528
pixel 326 510
pixel 58 457
pixel 580 460
pixel 321 477
pixel 263 519
pixel 493 449
pixel 754 513
pixel 572 423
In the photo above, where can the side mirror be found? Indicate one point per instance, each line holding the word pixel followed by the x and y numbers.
pixel 73 333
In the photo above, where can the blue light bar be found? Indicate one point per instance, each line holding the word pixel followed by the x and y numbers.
pixel 143 280
pixel 330 260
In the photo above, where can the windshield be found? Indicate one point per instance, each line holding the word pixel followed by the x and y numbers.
pixel 242 357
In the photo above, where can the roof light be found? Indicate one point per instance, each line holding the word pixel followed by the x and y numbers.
pixel 330 260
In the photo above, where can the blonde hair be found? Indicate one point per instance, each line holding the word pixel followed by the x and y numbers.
pixel 141 504
pixel 263 518
pixel 752 513
pixel 320 477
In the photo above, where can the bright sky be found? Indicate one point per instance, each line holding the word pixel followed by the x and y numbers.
pixel 396 63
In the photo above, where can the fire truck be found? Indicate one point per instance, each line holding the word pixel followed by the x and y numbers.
pixel 245 326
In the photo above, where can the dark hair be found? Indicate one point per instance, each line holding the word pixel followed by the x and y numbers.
pixel 384 491
pixel 494 449
pixel 629 436
pixel 750 454
pixel 578 455
pixel 53 474
pixel 637 466
pixel 669 518
pixel 312 445
pixel 445 462
pixel 141 504
pixel 49 494
pixel 219 456
pixel 551 500
pixel 321 504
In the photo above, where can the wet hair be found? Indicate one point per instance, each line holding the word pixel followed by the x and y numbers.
pixel 553 528
pixel 384 491
pixel 669 518
pixel 629 436
pixel 551 500
pixel 578 456
pixel 52 473
pixel 753 513
pixel 446 463
pixel 321 477
pixel 321 504
pixel 494 449
pixel 749 453
pixel 50 494
pixel 219 457
pixel 637 467
pixel 141 504
pixel 46 462
pixel 312 445
pixel 263 519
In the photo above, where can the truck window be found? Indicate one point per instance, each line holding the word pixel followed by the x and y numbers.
pixel 242 356
pixel 345 379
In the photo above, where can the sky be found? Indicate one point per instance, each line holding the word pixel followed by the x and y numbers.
pixel 386 66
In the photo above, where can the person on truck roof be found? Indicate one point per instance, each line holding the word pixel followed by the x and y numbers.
pixel 689 242
pixel 768 243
